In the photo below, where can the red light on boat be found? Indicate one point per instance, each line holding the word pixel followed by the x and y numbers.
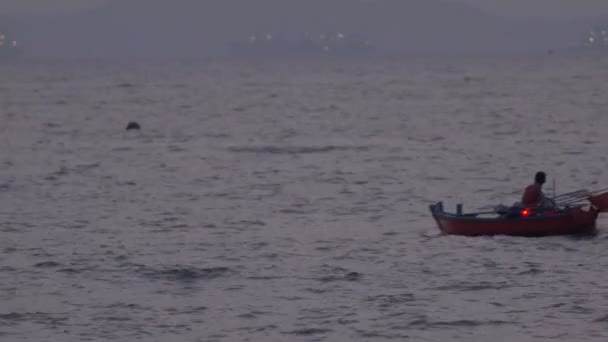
pixel 525 213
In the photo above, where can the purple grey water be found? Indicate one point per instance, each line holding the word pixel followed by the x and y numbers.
pixel 289 201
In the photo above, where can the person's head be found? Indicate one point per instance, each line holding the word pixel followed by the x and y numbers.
pixel 540 178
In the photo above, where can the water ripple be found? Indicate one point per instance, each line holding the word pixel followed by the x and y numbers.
pixel 302 214
pixel 308 331
pixel 35 317
pixel 425 324
pixel 295 149
pixel 186 273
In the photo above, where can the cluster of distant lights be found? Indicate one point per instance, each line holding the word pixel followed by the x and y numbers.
pixel 4 41
pixel 268 37
pixel 324 38
pixel 598 37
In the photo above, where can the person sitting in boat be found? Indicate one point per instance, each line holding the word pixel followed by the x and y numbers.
pixel 534 197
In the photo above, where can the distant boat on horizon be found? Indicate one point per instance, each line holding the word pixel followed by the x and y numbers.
pixel 9 48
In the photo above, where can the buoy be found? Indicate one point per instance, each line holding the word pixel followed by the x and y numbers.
pixel 133 125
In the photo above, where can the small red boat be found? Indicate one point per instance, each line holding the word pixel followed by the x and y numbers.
pixel 571 213
pixel 522 222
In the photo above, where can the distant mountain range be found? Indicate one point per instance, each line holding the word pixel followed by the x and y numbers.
pixel 161 28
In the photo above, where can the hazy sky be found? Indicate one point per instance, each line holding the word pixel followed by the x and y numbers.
pixel 46 6
pixel 546 8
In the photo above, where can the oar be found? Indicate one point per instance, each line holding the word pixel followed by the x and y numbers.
pixel 566 198
pixel 581 195
pixel 598 199
pixel 571 200
pixel 575 194
pixel 572 203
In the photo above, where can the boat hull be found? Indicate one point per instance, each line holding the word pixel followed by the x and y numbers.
pixel 567 222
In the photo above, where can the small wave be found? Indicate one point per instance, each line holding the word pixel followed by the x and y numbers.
pixel 467 286
pixel 295 149
pixel 257 329
pixel 54 175
pixel 130 306
pixel 122 149
pixel 328 279
pixel 602 319
pixel 507 132
pixel 381 335
pixel 308 331
pixel 191 273
pixel 292 298
pixel 248 223
pixel 258 245
pixel 252 315
pixel 316 290
pixel 9 249
pixel 386 301
pixel 176 148
pixel 9 227
pixel 500 305
pixel 322 109
pixel 85 167
pixel 69 270
pixel 531 271
pixel 474 78
pixel 188 274
pixel 36 317
pixel 113 318
pixel 352 276
pixel 64 170
pixel 47 264
pixel 577 309
pixel 262 277
pixel 298 211
pixel 426 324
pixel 582 77
pixel 338 274
pixel 189 310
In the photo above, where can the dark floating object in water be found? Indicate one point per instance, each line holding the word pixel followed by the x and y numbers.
pixel 133 125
